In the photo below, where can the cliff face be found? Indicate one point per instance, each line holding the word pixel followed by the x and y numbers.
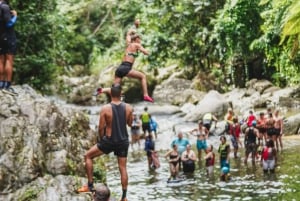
pixel 40 141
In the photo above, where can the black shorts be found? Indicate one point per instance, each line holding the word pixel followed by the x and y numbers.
pixel 271 131
pixel 8 44
pixel 207 126
pixel 262 130
pixel 123 69
pixel 120 149
pixel 277 131
pixel 251 148
pixel 146 127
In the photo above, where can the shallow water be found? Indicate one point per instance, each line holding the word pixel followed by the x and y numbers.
pixel 247 183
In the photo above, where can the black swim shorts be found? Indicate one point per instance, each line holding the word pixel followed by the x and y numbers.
pixel 120 149
pixel 123 69
pixel 8 44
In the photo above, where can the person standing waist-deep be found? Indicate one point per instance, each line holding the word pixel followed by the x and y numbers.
pixel 113 138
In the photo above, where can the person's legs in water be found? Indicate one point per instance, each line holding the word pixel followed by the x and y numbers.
pixel 122 161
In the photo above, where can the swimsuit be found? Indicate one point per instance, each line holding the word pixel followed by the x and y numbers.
pixel 123 69
pixel 133 54
pixel 172 157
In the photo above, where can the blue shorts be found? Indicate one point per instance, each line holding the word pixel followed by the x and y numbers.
pixel 201 144
pixel 223 163
pixel 234 142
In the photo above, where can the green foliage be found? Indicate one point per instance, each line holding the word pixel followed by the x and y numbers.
pixel 235 27
pixel 34 63
pixel 284 55
pixel 99 173
pixel 30 194
pixel 199 35
pixel 181 33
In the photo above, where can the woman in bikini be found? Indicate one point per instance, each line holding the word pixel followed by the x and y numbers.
pixel 202 135
pixel 173 161
pixel 133 47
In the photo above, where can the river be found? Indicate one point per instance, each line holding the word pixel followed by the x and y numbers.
pixel 248 182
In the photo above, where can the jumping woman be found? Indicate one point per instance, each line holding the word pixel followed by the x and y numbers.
pixel 132 50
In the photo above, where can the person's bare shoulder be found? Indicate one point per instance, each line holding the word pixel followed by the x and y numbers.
pixel 106 108
pixel 128 107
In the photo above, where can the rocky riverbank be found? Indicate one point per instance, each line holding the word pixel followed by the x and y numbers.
pixel 42 142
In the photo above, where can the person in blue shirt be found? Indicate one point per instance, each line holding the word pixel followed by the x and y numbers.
pixel 153 126
pixel 149 148
pixel 181 144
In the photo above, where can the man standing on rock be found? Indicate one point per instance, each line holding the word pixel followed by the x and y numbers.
pixel 113 138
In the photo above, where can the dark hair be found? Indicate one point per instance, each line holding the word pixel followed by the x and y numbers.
pixel 235 119
pixel 270 143
pixel 102 192
pixel 145 108
pixel 223 136
pixel 116 90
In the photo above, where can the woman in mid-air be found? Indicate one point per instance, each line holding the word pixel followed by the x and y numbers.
pixel 132 50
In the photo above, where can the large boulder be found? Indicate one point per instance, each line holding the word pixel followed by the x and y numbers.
pixel 39 137
pixel 50 188
pixel 292 125
pixel 176 91
pixel 212 102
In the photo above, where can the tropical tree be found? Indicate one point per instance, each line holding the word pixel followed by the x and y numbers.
pixel 180 30
pixel 279 42
pixel 235 27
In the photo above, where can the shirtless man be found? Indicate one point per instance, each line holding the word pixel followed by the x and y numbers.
pixel 278 125
pixel 270 123
pixel 261 126
pixel 113 138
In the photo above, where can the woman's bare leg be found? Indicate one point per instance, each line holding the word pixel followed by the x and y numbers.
pixel 142 77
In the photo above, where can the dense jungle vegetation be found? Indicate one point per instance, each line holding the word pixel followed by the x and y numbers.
pixel 230 40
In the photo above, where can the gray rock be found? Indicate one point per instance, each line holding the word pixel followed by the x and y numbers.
pixel 38 136
pixel 212 102
pixel 292 125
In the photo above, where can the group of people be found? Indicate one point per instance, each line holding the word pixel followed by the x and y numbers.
pixel 8 46
pixel 147 123
pixel 262 140
pixel 262 136
pixel 117 115
pixel 182 154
